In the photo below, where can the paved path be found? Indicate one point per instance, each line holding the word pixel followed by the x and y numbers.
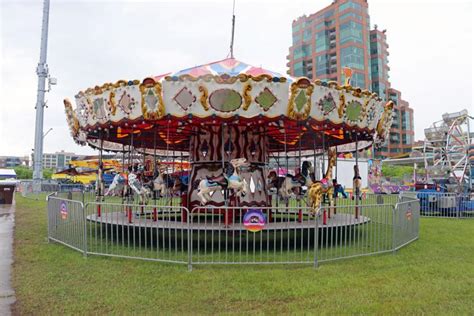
pixel 7 221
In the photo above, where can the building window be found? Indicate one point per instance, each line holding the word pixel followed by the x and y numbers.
pixel 328 14
pixel 296 27
pixel 350 31
pixel 350 15
pixel 382 93
pixel 357 80
pixel 352 57
pixel 322 42
pixel 302 51
pixel 298 69
pixel 394 98
pixel 296 38
pixel 319 25
pixel 350 5
pixel 322 65
pixel 329 23
pixel 307 35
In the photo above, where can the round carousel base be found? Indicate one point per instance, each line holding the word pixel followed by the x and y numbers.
pixel 174 222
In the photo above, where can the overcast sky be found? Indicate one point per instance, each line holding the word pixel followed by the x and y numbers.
pixel 93 42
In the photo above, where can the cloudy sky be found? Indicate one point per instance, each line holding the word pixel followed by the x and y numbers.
pixel 93 42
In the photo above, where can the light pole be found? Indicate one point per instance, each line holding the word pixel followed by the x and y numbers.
pixel 43 74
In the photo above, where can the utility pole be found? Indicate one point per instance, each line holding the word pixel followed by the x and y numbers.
pixel 42 72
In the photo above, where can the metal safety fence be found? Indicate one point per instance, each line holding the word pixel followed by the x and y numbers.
pixel 231 235
pixel 443 204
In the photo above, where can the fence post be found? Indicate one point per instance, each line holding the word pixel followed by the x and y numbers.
pixel 190 241
pixel 316 241
pixel 84 216
pixel 49 216
pixel 394 214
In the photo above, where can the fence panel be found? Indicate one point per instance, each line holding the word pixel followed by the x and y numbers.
pixel 445 204
pixel 66 222
pixel 355 231
pixel 466 205
pixel 149 232
pixel 231 235
pixel 368 199
pixel 406 222
pixel 245 235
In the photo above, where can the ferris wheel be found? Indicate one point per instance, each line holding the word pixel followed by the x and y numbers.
pixel 446 150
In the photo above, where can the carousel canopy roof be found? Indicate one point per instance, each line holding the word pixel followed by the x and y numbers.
pixel 163 111
pixel 228 66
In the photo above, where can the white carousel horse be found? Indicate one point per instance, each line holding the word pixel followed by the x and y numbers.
pixel 293 182
pixel 160 186
pixel 230 180
pixel 117 186
pixel 142 191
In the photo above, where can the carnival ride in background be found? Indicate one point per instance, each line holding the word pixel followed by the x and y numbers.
pixel 446 152
pixel 234 126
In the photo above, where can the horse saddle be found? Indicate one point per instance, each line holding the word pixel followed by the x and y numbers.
pixel 219 180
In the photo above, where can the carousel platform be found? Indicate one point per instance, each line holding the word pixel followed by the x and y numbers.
pixel 166 222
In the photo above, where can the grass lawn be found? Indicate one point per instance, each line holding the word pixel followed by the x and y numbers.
pixel 434 275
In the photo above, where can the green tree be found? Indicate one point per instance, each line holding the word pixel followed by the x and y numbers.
pixel 23 172
pixel 47 173
pixel 396 171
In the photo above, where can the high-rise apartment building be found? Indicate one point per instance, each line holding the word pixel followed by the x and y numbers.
pixel 339 36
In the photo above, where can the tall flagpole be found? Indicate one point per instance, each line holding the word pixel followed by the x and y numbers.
pixel 42 72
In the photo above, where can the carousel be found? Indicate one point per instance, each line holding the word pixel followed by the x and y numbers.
pixel 218 135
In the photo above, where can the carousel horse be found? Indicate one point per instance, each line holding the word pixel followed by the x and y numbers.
pixel 160 183
pixel 118 185
pixel 304 178
pixel 142 191
pixel 274 181
pixel 356 183
pixel 231 179
pixel 324 186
